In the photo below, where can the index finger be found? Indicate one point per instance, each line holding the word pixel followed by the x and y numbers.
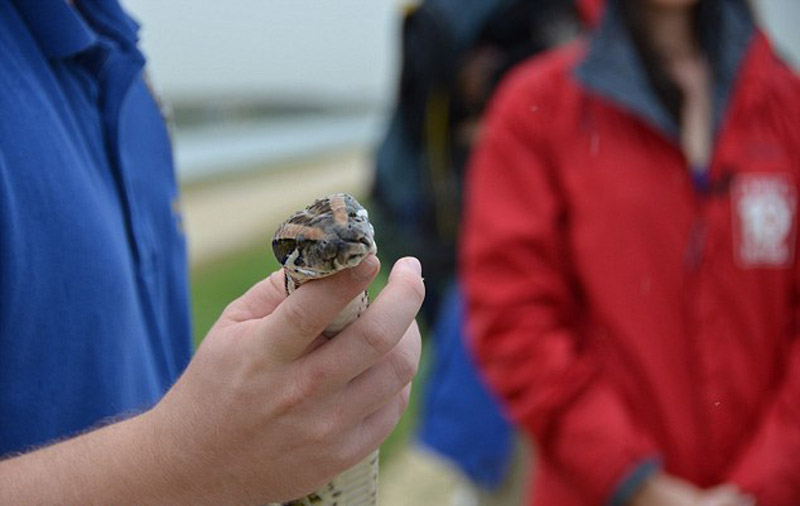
pixel 302 317
pixel 380 328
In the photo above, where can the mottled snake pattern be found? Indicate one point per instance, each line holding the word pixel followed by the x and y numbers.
pixel 331 234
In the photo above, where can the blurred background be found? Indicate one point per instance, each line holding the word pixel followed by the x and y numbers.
pixel 274 103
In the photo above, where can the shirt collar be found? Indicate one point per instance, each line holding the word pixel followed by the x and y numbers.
pixel 612 66
pixel 108 18
pixel 58 29
pixel 62 30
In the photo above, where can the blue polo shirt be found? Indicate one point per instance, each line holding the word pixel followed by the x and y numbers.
pixel 94 318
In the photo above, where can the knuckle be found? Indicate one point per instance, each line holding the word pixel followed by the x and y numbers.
pixel 294 397
pixel 326 431
pixel 377 336
pixel 233 312
pixel 311 381
pixel 394 413
pixel 401 403
pixel 303 389
pixel 297 317
pixel 351 453
pixel 277 281
pixel 404 366
pixel 405 398
pixel 414 340
pixel 320 432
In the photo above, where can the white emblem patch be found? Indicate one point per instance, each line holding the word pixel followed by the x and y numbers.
pixel 764 208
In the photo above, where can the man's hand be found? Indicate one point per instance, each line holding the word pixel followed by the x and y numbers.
pixel 269 407
pixel 267 410
pixel 666 490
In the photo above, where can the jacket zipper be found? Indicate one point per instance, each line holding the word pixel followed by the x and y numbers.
pixel 693 261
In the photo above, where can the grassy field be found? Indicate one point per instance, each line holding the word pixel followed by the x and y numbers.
pixel 217 283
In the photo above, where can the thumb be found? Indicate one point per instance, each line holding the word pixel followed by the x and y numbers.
pixel 259 301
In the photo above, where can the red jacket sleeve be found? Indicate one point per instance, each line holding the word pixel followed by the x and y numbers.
pixel 769 467
pixel 524 311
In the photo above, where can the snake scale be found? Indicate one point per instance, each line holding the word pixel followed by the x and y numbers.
pixel 331 234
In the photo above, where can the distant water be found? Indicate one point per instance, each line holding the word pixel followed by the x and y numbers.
pixel 210 151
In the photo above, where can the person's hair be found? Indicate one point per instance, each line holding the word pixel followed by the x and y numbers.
pixel 668 92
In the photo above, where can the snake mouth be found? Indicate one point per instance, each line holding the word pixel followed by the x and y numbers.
pixel 317 259
pixel 351 253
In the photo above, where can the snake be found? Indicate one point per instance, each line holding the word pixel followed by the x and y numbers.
pixel 331 234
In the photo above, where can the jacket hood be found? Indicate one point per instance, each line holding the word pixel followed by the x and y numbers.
pixel 614 69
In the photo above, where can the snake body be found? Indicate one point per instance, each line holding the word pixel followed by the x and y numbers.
pixel 331 234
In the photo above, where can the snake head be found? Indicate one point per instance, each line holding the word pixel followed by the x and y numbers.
pixel 331 234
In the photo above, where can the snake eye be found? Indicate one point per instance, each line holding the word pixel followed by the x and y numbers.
pixel 283 248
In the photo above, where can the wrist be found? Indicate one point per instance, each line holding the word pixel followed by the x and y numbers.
pixel 169 468
pixel 180 466
pixel 643 496
pixel 634 481
pixel 150 471
pixel 664 490
pixel 126 463
pixel 110 465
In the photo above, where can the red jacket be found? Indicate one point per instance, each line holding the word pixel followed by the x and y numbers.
pixel 625 313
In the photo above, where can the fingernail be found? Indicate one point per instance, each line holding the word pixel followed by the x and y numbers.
pixel 412 264
pixel 366 269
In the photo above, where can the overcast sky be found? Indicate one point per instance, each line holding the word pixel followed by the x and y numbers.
pixel 326 48
pixel 337 48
